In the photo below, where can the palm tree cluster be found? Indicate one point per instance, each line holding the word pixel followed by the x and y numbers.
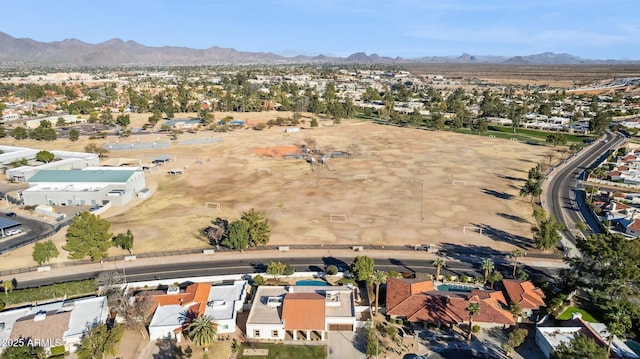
pixel 533 186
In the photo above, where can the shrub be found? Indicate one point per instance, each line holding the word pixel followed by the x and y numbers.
pixel 332 270
pixel 289 270
pixel 258 280
pixel 475 328
pixel 260 126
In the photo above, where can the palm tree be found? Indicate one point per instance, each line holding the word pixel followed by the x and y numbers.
pixel 487 265
pixel 531 188
pixel 515 254
pixel 203 331
pixel 494 276
pixel 474 309
pixel 378 277
pixel 618 322
pixel 439 263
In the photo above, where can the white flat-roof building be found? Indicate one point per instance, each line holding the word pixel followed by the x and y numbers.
pixel 87 187
pixel 65 160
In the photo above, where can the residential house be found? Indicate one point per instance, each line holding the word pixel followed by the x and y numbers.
pixel 548 338
pixel 300 312
pixel 418 301
pixel 525 294
pixel 174 311
pixel 57 324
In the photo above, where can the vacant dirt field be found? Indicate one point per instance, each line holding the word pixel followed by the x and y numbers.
pixel 420 187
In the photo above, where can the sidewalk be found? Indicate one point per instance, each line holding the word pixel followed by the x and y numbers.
pixel 258 255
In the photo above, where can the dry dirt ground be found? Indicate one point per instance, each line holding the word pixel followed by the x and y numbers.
pixel 420 187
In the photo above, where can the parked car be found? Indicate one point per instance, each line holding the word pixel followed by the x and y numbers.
pixel 11 232
pixel 11 214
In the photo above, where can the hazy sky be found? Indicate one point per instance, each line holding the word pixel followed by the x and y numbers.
pixel 408 28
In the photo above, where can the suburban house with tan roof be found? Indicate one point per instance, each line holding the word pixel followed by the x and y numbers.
pixel 525 294
pixel 419 301
pixel 300 312
pixel 174 311
pixel 57 324
pixel 548 338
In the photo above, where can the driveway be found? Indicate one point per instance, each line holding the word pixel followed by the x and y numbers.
pixel 345 344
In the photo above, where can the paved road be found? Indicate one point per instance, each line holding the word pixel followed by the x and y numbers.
pixel 562 196
pixel 31 230
pixel 302 260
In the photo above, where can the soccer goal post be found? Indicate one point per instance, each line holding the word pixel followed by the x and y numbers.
pixel 462 182
pixel 215 205
pixel 337 218
pixel 360 177
pixel 264 169
pixel 471 228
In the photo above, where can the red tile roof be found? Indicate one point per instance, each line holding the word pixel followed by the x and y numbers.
pixel 523 293
pixel 440 307
pixel 197 293
pixel 635 225
pixel 398 289
pixel 303 311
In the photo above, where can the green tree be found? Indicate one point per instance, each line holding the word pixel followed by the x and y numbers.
pixel 88 234
pixel 106 117
pixel 203 331
pixel 515 254
pixel 581 226
pixel 516 338
pixel 373 347
pixel 579 347
pixel 100 341
pixel 473 308
pixel 276 268
pixel 539 213
pixel 618 320
pixel 289 270
pixel 124 241
pixel 258 280
pixel 20 133
pixel 482 125
pixel 531 188
pixel 8 287
pixel 60 122
pixel 44 251
pixel 45 156
pixel 74 135
pixel 123 120
pixel 258 224
pixel 487 266
pixel 314 122
pixel 556 139
pixel 362 267
pixel 331 269
pixel 546 234
pixel 494 277
pixel 238 235
pixel 23 352
pixel 378 277
pixel 439 263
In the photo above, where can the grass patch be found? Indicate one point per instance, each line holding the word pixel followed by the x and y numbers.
pixel 586 316
pixel 50 292
pixel 539 135
pixel 282 351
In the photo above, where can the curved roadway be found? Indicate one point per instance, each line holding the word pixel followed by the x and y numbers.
pixel 563 197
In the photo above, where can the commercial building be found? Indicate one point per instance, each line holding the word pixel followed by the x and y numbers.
pixel 63 160
pixel 89 186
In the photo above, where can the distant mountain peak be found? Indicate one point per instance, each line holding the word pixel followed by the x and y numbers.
pixel 116 52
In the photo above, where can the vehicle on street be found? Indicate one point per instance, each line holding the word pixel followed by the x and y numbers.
pixel 11 232
pixel 11 214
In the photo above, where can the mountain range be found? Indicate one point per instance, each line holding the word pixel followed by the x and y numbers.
pixel 116 52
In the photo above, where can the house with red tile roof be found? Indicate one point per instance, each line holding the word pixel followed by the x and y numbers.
pixel 529 297
pixel 419 301
pixel 300 312
pixel 173 312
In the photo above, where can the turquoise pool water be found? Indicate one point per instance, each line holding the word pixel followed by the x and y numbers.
pixel 454 288
pixel 309 282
